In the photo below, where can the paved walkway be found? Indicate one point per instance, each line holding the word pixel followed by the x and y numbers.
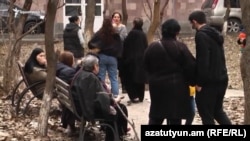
pixel 138 113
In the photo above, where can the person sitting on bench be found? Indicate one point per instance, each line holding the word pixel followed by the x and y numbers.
pixel 35 70
pixel 66 72
pixel 85 88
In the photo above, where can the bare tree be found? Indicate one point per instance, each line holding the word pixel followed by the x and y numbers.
pixel 89 21
pixel 245 59
pixel 155 21
pixel 9 73
pixel 146 7
pixel 163 9
pixel 155 15
pixel 111 7
pixel 124 12
pixel 105 9
pixel 51 56
pixel 228 4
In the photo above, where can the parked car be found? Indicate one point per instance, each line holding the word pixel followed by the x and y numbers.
pixel 215 11
pixel 33 18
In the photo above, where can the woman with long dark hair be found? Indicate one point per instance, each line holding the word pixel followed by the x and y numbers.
pixel 110 45
pixel 35 69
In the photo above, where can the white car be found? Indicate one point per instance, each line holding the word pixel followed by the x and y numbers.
pixel 215 11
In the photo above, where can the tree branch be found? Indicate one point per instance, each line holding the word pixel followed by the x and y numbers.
pixel 26 33
pixel 147 15
pixel 162 10
pixel 60 6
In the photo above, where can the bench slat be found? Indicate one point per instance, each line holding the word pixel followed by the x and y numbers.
pixel 67 105
pixel 59 82
pixel 63 95
pixel 62 90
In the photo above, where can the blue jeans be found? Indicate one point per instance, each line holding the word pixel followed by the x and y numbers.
pixel 189 120
pixel 109 64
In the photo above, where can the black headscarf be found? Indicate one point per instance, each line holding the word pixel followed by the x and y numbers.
pixel 170 28
pixel 32 61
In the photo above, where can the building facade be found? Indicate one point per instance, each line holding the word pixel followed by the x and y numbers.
pixel 178 9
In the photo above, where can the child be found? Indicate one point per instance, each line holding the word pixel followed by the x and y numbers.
pixel 242 38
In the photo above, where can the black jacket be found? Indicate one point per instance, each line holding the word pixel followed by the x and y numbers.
pixel 71 40
pixel 113 49
pixel 84 89
pixel 210 58
pixel 65 72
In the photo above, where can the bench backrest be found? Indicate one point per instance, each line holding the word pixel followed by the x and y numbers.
pixel 25 79
pixel 62 90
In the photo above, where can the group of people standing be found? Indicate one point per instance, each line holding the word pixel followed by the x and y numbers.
pixel 166 65
pixel 171 69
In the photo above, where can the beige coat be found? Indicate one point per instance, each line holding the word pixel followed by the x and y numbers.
pixel 38 74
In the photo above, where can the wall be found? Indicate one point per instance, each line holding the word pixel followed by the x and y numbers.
pixel 178 9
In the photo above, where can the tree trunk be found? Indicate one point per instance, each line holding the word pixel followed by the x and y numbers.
pixel 224 29
pixel 245 59
pixel 124 12
pixel 89 21
pixel 111 7
pixel 106 2
pixel 10 75
pixel 51 65
pixel 155 22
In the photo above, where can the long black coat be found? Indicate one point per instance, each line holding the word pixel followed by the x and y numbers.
pixel 169 89
pixel 132 58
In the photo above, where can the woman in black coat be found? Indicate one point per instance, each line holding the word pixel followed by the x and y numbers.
pixel 134 75
pixel 167 63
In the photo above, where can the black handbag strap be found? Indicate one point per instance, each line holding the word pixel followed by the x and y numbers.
pixel 170 56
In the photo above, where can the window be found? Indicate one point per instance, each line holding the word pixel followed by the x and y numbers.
pixel 98 11
pixel 97 1
pixel 72 10
pixel 73 1
pixel 74 7
pixel 233 3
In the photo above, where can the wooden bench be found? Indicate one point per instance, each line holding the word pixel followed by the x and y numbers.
pixel 29 87
pixel 62 91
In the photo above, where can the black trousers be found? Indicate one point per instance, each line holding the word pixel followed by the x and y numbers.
pixel 134 90
pixel 68 118
pixel 209 102
pixel 121 122
pixel 159 121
